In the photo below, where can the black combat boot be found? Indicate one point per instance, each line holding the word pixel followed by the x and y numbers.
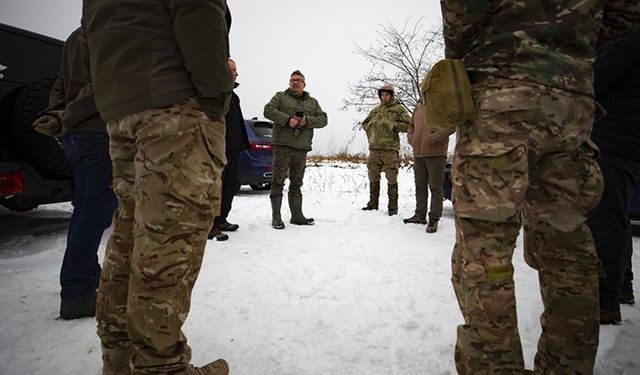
pixel 392 191
pixel 374 193
pixel 432 227
pixel 216 232
pixel 82 307
pixel 276 219
pixel 297 218
pixel 415 219
pixel 610 317
pixel 228 227
pixel 626 297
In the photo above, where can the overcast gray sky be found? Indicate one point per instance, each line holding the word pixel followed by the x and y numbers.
pixel 271 38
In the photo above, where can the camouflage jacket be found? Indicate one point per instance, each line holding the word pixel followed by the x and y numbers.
pixel 383 125
pixel 72 90
pixel 282 107
pixel 156 53
pixel 544 41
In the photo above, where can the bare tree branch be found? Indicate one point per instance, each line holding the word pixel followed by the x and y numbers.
pixel 400 56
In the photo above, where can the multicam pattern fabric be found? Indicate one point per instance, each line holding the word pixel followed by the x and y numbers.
pixel 383 125
pixel 526 161
pixel 549 42
pixel 166 173
pixel 387 161
pixel 291 162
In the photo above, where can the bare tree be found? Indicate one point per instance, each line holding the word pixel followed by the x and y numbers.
pixel 400 56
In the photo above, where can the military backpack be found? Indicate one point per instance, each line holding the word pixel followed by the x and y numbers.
pixel 446 91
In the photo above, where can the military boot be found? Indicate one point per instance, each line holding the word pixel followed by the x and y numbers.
pixel 276 219
pixel 626 297
pixel 432 227
pixel 416 219
pixel 392 191
pixel 218 367
pixel 297 218
pixel 82 307
pixel 374 193
pixel 610 317
pixel 216 232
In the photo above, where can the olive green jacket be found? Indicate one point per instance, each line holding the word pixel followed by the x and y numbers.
pixel 282 107
pixel 156 53
pixel 383 125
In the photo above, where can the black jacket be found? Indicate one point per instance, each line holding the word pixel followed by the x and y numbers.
pixel 236 134
pixel 617 87
pixel 72 90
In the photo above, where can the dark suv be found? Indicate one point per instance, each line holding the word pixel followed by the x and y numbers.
pixel 255 163
pixel 33 168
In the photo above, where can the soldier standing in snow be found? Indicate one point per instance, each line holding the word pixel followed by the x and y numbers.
pixel 163 85
pixel 525 160
pixel 383 126
pixel 294 114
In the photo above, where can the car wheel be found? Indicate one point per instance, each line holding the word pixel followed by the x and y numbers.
pixel 44 152
pixel 261 186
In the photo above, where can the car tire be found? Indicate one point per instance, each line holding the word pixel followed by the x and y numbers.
pixel 44 152
pixel 261 186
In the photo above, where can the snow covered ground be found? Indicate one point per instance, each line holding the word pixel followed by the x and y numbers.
pixel 358 293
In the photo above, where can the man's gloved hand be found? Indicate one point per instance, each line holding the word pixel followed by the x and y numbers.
pixel 50 123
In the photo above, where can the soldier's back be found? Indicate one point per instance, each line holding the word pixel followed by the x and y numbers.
pixel 548 42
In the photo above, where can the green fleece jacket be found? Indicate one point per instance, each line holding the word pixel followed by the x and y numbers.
pixel 282 107
pixel 155 53
pixel 383 125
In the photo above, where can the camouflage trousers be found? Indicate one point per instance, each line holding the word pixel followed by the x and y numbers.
pixel 526 160
pixel 288 161
pixel 167 165
pixel 387 161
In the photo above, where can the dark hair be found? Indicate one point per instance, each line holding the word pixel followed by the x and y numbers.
pixel 298 73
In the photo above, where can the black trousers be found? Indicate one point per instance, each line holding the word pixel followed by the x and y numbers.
pixel 230 186
pixel 610 225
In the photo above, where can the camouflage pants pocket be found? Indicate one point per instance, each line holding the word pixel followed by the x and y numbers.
pixel 490 187
pixel 490 168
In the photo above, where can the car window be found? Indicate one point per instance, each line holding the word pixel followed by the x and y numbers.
pixel 263 128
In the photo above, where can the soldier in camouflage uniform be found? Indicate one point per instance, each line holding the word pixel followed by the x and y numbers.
pixel 295 115
pixel 383 126
pixel 526 160
pixel 164 103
